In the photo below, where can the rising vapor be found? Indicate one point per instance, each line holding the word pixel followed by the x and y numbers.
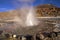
pixel 27 13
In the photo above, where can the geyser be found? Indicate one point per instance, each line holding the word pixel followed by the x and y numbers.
pixel 27 13
pixel 30 19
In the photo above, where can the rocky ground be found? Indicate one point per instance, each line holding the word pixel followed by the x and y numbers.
pixel 45 25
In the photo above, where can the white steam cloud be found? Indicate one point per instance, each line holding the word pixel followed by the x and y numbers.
pixel 27 13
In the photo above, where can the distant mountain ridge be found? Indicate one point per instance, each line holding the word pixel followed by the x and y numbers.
pixel 46 6
pixel 47 10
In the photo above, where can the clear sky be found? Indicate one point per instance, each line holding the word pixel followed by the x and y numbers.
pixel 6 5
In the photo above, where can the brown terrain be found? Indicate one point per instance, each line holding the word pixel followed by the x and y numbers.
pixel 8 15
pixel 47 10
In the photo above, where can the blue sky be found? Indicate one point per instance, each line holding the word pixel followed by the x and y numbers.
pixel 6 5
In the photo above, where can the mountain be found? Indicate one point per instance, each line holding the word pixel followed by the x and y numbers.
pixel 47 10
pixel 8 15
